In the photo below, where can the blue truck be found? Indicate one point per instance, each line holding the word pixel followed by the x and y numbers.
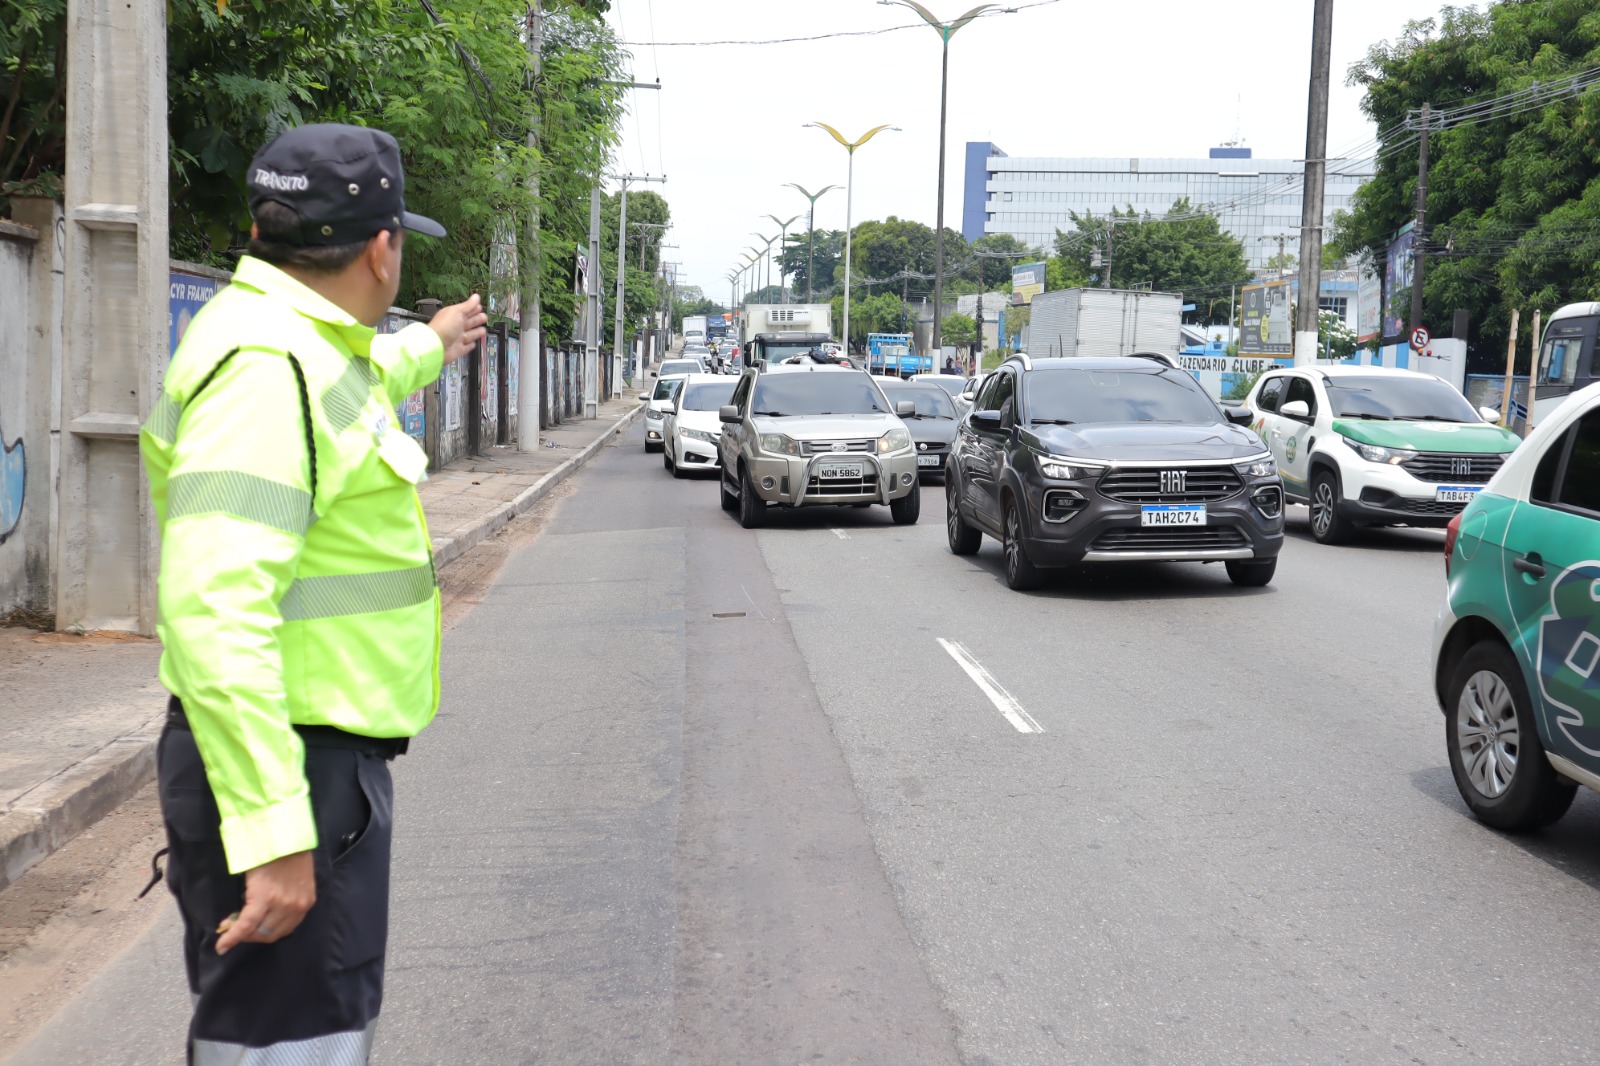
pixel 895 354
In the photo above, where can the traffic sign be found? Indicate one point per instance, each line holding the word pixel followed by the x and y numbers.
pixel 1420 338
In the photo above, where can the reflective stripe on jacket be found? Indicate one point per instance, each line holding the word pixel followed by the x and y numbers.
pixel 278 607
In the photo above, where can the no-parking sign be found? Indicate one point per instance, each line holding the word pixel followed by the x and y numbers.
pixel 1420 338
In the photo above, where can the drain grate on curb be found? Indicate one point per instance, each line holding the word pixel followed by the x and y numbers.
pixel 727 614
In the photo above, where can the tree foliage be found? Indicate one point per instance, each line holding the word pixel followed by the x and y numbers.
pixel 33 94
pixel 958 329
pixel 1185 251
pixel 1513 202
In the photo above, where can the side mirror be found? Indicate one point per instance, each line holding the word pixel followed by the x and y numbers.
pixel 729 415
pixel 989 420
pixel 645 396
pixel 1239 416
pixel 905 408
pixel 1295 409
pixel 1489 414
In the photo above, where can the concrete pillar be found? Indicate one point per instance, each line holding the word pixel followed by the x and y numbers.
pixel 114 337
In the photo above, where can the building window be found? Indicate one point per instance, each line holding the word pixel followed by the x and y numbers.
pixel 1337 304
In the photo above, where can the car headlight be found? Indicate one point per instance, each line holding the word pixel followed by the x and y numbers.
pixel 1374 454
pixel 779 444
pixel 700 434
pixel 1262 467
pixel 1063 471
pixel 651 412
pixel 896 440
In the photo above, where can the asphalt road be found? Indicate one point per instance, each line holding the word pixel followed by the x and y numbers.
pixel 701 795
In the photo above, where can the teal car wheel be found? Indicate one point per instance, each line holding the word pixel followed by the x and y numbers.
pixel 1496 756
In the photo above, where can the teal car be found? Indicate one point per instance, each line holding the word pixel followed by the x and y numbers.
pixel 1517 644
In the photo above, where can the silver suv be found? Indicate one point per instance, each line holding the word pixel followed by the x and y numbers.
pixel 811 435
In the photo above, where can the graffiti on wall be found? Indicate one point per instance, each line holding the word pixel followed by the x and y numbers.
pixel 13 480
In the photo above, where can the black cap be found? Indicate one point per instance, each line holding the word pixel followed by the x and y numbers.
pixel 344 182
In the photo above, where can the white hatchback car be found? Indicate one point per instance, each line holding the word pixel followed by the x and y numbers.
pixel 656 404
pixel 691 427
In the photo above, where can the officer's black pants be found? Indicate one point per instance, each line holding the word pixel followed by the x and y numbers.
pixel 313 997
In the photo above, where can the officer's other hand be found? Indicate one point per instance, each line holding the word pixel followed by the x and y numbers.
pixel 277 896
pixel 460 326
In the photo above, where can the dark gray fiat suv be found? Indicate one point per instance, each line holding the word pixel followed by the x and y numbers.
pixel 1080 460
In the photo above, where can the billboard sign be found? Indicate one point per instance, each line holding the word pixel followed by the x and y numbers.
pixel 1027 281
pixel 1397 284
pixel 1266 327
pixel 186 294
pixel 1369 306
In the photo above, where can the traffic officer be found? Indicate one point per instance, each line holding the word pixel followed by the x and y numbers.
pixel 299 611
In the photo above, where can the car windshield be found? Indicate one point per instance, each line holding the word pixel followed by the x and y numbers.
pixel 708 396
pixel 1403 399
pixel 1070 396
pixel 777 353
pixel 931 403
pixel 953 386
pixel 666 388
pixel 821 393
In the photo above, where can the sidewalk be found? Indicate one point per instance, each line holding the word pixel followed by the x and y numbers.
pixel 79 715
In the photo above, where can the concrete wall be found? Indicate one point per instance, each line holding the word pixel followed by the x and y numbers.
pixel 30 367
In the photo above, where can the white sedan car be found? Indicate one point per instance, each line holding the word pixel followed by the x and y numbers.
pixel 656 405
pixel 691 425
pixel 679 367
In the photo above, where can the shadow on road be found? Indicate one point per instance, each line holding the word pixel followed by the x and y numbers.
pixel 1116 582
pixel 1572 845
pixel 1297 524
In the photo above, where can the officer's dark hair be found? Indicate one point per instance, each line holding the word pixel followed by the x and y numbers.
pixel 275 222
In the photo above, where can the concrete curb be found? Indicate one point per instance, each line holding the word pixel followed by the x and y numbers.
pixel 463 542
pixel 53 812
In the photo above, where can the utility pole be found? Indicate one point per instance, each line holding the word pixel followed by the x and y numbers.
pixel 1111 243
pixel 1305 339
pixel 530 325
pixel 1418 237
pixel 622 272
pixel 591 359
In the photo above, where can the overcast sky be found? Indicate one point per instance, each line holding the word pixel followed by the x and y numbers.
pixel 1145 78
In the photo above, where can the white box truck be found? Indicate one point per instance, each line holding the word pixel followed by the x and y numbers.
pixel 694 329
pixel 786 318
pixel 1104 322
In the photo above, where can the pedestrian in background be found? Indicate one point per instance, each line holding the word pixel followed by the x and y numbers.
pixel 299 610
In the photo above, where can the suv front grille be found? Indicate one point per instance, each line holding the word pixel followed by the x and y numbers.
pixel 867 484
pixel 1200 484
pixel 824 447
pixel 1444 469
pixel 1190 538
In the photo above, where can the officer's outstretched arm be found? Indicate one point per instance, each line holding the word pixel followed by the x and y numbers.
pixel 407 360
pixel 237 507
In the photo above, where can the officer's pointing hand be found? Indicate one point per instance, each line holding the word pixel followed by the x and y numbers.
pixel 460 326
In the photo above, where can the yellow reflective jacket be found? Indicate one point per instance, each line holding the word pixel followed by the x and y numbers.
pixel 296 583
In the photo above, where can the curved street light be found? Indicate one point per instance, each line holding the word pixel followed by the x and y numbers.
pixel 849 204
pixel 783 246
pixel 811 229
pixel 766 250
pixel 946 30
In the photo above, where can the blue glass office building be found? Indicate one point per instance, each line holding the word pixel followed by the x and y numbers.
pixel 1257 200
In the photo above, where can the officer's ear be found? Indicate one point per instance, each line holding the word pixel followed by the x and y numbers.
pixel 382 255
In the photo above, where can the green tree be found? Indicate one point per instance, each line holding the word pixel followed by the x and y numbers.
pixel 999 252
pixel 1514 199
pixel 959 330
pixel 33 94
pixel 882 313
pixel 828 257
pixel 1184 251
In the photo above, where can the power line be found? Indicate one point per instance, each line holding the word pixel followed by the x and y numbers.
pixel 815 37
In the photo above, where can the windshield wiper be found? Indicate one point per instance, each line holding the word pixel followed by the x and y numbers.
pixel 770 414
pixel 1369 414
pixel 1052 422
pixel 1429 418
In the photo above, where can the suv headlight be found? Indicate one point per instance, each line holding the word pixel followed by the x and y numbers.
pixel 1374 454
pixel 1063 471
pixel 779 444
pixel 1262 467
pixel 895 440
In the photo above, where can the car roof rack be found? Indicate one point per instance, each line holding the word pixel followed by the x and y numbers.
pixel 1158 357
pixel 1021 357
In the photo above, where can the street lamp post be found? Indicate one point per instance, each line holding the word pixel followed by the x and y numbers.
pixel 849 205
pixel 766 250
pixel 811 231
pixel 783 246
pixel 946 30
